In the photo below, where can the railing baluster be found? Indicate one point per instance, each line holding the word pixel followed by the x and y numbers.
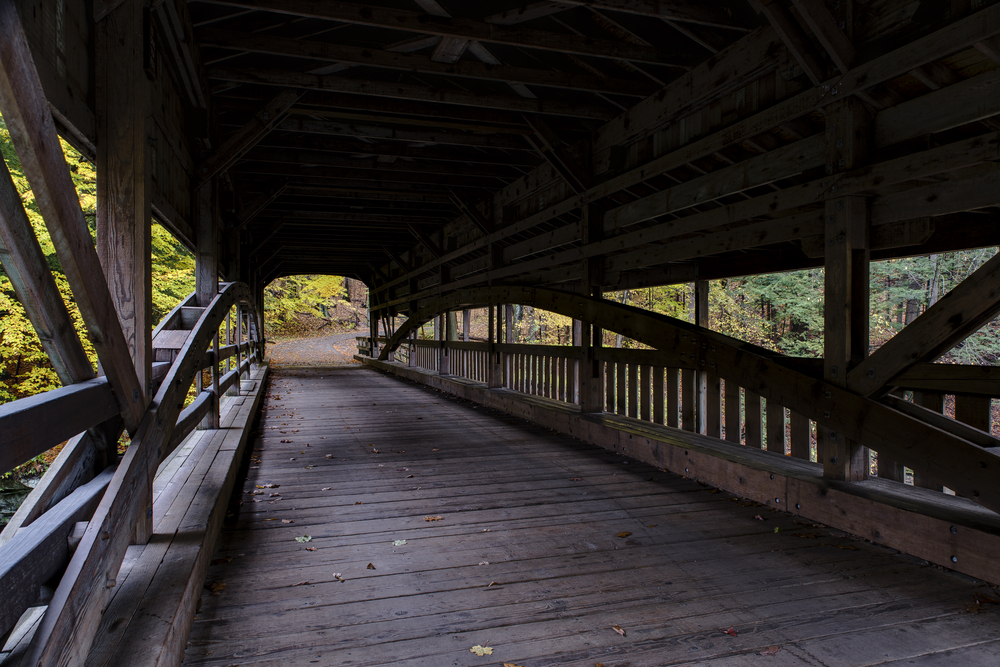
pixel 751 402
pixel 688 402
pixel 733 412
pixel 622 389
pixel 775 427
pixel 800 436
pixel 673 396
pixel 658 394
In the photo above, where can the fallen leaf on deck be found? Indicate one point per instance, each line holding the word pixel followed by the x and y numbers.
pixel 731 631
pixel 435 450
pixel 770 650
pixel 301 583
pixel 493 583
pixel 310 548
pixel 304 538
pixel 576 479
pixel 271 519
pixel 374 451
pixel 484 562
pixel 652 525
pixel 760 518
pixel 433 518
pixel 336 575
pixel 220 561
pixel 398 543
pixel 408 477
pixel 257 493
pixel 618 629
pixel 274 495
pixel 359 503
pixel 327 488
pixel 329 456
pixel 402 469
pixel 485 530
pixel 287 521
pixel 310 467
pixel 510 664
pixel 286 441
pixel 370 566
pixel 216 587
pixel 777 529
pixel 481 650
pixel 624 534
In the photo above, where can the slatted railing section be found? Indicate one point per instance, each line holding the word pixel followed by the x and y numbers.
pixel 635 386
pixel 549 371
pixel 469 360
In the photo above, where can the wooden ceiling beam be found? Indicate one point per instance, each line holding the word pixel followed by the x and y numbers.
pixel 795 39
pixel 422 23
pixel 363 174
pixel 390 133
pixel 527 12
pixel 827 32
pixel 466 69
pixel 550 148
pixel 318 157
pixel 408 91
pixel 247 136
pixel 685 11
pixel 398 150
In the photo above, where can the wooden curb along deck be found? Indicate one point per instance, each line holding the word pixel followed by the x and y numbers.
pixel 945 530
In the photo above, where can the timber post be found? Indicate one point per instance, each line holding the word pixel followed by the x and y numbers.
pixel 847 255
pixel 591 378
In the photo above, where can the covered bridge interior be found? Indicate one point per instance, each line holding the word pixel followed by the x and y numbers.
pixel 480 155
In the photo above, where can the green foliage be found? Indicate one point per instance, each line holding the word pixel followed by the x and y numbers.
pixel 299 305
pixel 173 272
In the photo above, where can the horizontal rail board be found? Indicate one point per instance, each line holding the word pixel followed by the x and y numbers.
pixel 40 550
pixel 36 424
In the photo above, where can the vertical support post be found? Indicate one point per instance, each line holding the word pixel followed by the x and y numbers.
pixel 207 276
pixel 701 318
pixel 497 360
pixel 591 375
pixel 444 367
pixel 124 195
pixel 846 290
pixel 466 324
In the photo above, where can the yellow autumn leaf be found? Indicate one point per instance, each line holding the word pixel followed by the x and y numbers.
pixel 481 650
pixel 624 533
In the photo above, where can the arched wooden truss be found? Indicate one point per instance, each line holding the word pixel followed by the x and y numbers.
pixel 943 450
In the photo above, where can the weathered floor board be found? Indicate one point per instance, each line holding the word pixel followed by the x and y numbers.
pixel 543 544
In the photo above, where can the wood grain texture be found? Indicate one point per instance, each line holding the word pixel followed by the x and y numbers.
pixel 544 511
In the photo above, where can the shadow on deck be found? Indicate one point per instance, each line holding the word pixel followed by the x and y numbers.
pixel 435 525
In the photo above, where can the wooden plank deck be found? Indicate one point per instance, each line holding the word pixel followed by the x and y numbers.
pixel 544 543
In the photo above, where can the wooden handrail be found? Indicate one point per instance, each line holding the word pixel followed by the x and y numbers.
pixel 66 630
pixel 36 424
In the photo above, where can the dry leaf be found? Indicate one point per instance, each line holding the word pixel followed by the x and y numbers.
pixel 481 650
pixel 433 518
pixel 435 450
pixel 268 486
pixel 274 495
pixel 493 583
pixel 770 650
pixel 618 629
pixel 310 548
pixel 374 451
pixel 271 519
pixel 216 587
pixel 359 503
pixel 510 664
pixel 370 566
pixel 398 543
pixel 336 575
pixel 286 441
pixel 624 534
pixel 760 518
pixel 304 538
pixel 329 456
pixel 485 530
pixel 327 488
pixel 484 562
pixel 408 476
pixel 220 561
pixel 301 583
pixel 731 631
pixel 287 521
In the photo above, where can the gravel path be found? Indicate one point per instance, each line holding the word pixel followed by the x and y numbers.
pixel 317 351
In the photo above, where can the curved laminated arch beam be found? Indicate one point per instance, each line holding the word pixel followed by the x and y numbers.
pixel 967 468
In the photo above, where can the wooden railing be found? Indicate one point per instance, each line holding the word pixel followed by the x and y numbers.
pixel 33 546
